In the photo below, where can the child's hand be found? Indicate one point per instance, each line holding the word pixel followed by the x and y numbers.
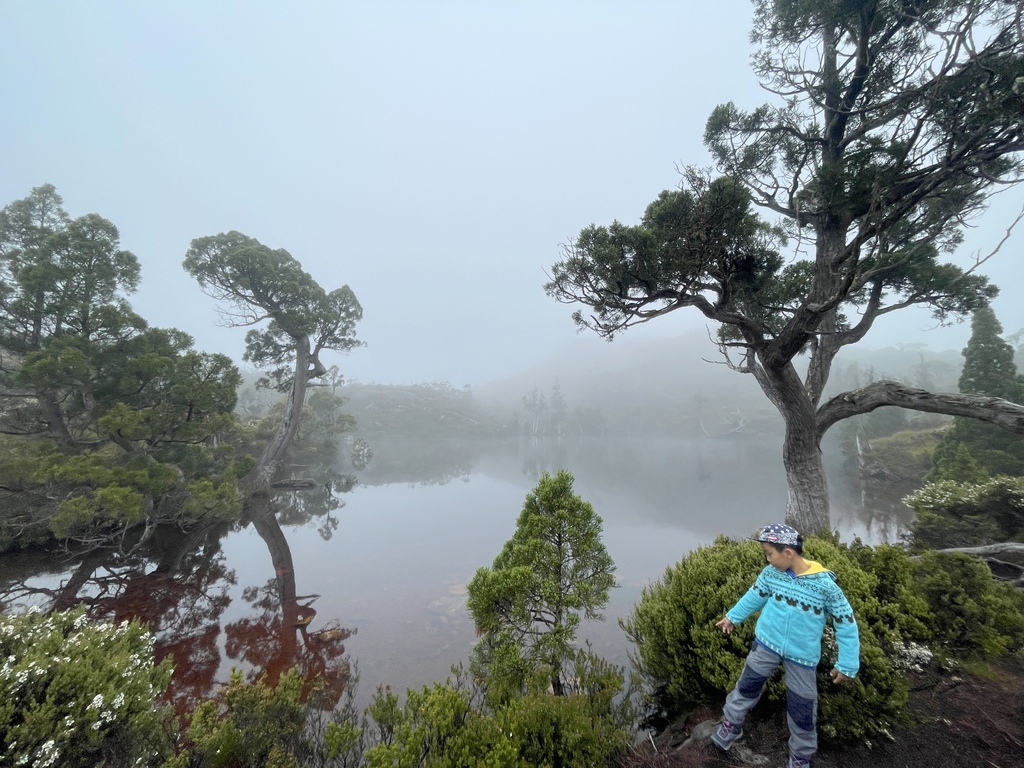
pixel 725 625
pixel 838 677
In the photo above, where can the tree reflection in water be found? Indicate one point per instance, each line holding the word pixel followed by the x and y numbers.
pixel 269 642
pixel 176 583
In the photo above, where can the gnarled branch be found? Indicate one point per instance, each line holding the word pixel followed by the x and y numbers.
pixel 995 410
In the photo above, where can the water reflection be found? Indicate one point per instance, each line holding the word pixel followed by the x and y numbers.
pixel 176 583
pixel 288 585
pixel 867 501
pixel 299 500
pixel 277 635
pixel 179 584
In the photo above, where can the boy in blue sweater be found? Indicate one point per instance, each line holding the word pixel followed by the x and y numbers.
pixel 795 596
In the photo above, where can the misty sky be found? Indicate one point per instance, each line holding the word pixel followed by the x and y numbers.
pixel 432 155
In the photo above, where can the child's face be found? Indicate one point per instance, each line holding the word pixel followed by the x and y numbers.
pixel 780 560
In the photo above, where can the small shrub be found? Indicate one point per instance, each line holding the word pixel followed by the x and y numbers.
pixel 78 693
pixel 560 730
pixel 933 530
pixel 553 572
pixel 900 605
pixel 975 615
pixel 250 725
pixel 436 727
pixel 683 660
pixel 686 662
pixel 448 727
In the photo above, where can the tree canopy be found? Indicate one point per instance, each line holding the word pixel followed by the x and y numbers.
pixel 297 319
pixel 891 124
pixel 118 416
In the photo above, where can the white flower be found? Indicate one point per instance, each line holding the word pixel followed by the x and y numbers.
pixel 911 656
pixel 97 701
pixel 50 752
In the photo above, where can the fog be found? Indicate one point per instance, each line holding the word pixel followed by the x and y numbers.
pixel 431 155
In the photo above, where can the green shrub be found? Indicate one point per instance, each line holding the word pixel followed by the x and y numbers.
pixel 250 725
pixel 686 662
pixel 683 660
pixel 889 615
pixel 447 726
pixel 933 530
pixel 563 731
pixel 975 615
pixel 900 605
pixel 436 727
pixel 552 573
pixel 78 693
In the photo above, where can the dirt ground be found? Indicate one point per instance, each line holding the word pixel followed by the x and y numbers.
pixel 961 719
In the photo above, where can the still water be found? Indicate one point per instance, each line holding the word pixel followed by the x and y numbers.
pixel 374 578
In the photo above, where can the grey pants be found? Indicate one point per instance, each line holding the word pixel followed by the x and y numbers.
pixel 801 698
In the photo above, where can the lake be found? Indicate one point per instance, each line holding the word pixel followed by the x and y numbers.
pixel 376 575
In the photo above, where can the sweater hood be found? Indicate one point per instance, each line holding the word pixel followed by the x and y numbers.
pixel 814 568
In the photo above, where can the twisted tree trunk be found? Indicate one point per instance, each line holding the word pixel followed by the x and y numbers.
pixel 307 366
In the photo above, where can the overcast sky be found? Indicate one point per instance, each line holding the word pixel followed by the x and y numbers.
pixel 432 155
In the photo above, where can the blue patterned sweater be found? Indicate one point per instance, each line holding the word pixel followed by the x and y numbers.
pixel 793 613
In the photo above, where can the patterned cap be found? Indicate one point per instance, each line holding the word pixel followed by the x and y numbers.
pixel 777 533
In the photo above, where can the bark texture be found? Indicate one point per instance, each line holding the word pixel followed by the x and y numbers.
pixel 995 410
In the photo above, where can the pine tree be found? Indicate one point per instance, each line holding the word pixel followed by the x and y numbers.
pixel 554 571
pixel 989 369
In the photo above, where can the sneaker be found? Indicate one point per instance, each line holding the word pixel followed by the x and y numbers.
pixel 726 734
pixel 799 762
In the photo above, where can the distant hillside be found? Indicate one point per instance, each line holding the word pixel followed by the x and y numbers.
pixel 428 409
pixel 913 364
pixel 669 386
pixel 681 385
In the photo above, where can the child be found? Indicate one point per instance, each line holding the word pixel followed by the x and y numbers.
pixel 795 596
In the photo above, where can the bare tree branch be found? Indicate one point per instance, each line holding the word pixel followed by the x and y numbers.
pixel 995 410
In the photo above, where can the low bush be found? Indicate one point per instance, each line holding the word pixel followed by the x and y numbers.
pixel 447 726
pixel 548 730
pixel 683 660
pixel 78 693
pixel 248 725
pixel 975 615
pixel 686 662
pixel 889 615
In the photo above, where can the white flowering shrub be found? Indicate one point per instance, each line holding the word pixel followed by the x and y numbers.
pixel 911 656
pixel 78 693
pixel 966 514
